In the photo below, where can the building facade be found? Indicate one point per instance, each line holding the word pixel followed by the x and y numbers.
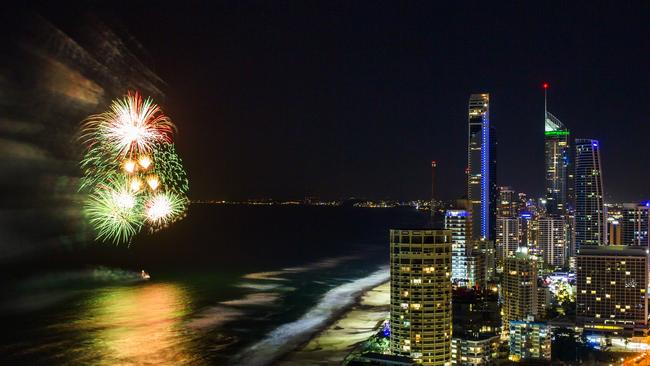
pixel 614 232
pixel 612 284
pixel 528 229
pixel 507 204
pixel 481 168
pixel 636 224
pixel 556 163
pixel 589 213
pixel 475 352
pixel 420 309
pixel 476 270
pixel 529 340
pixel 519 287
pixel 476 327
pixel 458 222
pixel 508 238
pixel 551 240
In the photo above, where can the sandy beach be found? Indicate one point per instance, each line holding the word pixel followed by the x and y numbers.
pixel 334 343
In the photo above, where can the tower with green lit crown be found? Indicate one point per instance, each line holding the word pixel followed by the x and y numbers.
pixel 556 162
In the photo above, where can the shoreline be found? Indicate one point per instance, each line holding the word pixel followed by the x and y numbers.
pixel 342 336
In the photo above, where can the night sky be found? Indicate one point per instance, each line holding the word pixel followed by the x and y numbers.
pixel 337 99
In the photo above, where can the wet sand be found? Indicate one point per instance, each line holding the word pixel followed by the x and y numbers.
pixel 355 325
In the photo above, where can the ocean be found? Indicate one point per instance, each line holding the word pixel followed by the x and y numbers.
pixel 230 285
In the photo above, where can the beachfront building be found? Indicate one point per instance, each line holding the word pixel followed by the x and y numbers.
pixel 420 304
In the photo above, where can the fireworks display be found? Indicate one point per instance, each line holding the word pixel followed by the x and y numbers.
pixel 132 174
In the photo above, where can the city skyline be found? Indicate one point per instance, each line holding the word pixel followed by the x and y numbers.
pixel 324 183
pixel 352 106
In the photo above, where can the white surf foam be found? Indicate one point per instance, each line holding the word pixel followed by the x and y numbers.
pixel 290 335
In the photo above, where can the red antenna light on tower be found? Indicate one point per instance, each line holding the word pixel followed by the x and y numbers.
pixel 545 85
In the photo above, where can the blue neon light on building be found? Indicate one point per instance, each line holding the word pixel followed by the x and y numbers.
pixel 485 158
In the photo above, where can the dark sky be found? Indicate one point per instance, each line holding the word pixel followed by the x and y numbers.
pixel 335 99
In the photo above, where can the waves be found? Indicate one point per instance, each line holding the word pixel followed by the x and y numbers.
pixel 290 335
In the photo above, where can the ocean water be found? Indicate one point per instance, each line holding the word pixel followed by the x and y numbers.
pixel 231 285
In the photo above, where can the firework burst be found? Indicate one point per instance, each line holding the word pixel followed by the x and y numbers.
pixel 115 212
pixel 130 127
pixel 132 173
pixel 164 208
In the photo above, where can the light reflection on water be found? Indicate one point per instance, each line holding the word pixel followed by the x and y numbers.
pixel 135 325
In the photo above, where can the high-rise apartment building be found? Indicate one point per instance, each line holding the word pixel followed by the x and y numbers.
pixel 612 283
pixel 636 224
pixel 519 287
pixel 481 167
pixel 458 222
pixel 420 308
pixel 476 270
pixel 476 327
pixel 507 238
pixel 589 213
pixel 508 203
pixel 529 340
pixel 551 240
pixel 468 260
pixel 528 230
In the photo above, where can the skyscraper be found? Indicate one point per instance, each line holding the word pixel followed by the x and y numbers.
pixel 459 222
pixel 636 224
pixel 556 162
pixel 481 167
pixel 420 284
pixel 519 287
pixel 589 215
pixel 508 237
pixel 507 203
pixel 551 240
